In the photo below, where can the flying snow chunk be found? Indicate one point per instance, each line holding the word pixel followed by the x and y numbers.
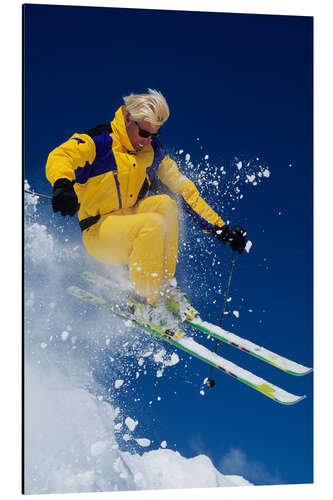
pixel 158 357
pixel 173 360
pixel 236 313
pixel 239 165
pixel 118 383
pixel 266 173
pixel 30 199
pixel 166 361
pixel 248 246
pixel 251 178
pixel 64 336
pixel 143 442
pixel 131 424
pixel 164 444
pixel 187 157
pixel 97 448
pixel 206 157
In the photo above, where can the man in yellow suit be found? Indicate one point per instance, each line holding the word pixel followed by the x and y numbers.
pixel 106 174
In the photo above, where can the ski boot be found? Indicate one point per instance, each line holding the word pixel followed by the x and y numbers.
pixel 156 316
pixel 177 301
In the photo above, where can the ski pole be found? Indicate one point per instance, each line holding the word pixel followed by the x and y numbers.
pixel 38 194
pixel 210 382
pixel 41 195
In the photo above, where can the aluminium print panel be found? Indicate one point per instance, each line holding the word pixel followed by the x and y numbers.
pixel 168 221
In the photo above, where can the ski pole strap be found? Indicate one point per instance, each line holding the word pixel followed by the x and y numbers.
pixel 89 221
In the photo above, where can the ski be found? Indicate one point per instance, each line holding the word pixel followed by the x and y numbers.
pixel 249 347
pixel 194 349
pixel 219 333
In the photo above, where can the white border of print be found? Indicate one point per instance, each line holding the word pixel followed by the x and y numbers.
pixel 10 197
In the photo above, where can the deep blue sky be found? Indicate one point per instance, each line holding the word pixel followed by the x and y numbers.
pixel 243 84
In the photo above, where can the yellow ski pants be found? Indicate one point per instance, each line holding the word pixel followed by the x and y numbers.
pixel 144 237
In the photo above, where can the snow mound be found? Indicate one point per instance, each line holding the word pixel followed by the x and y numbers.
pixel 70 446
pixel 166 469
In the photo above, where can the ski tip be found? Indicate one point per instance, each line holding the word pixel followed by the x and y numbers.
pixel 303 371
pixel 296 400
pixel 290 401
pixel 308 370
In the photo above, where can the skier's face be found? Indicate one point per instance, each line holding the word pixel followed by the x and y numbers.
pixel 138 132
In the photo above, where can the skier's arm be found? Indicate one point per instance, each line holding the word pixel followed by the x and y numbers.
pixel 61 167
pixel 66 158
pixel 198 209
pixel 194 204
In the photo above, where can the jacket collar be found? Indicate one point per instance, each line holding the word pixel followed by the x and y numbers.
pixel 119 128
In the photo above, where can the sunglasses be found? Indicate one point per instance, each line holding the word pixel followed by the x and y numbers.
pixel 145 133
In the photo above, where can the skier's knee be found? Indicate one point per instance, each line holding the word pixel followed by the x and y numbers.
pixel 168 204
pixel 156 223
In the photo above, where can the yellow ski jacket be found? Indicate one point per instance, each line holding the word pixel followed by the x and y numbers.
pixel 108 175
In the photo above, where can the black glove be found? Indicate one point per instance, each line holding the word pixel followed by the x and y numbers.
pixel 64 198
pixel 233 236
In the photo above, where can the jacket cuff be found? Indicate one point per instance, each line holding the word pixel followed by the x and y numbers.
pixel 63 183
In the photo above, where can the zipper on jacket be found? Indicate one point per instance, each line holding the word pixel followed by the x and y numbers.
pixel 115 175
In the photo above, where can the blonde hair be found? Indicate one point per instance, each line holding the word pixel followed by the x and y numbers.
pixel 151 107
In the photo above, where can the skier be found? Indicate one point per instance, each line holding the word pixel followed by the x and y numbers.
pixel 106 174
